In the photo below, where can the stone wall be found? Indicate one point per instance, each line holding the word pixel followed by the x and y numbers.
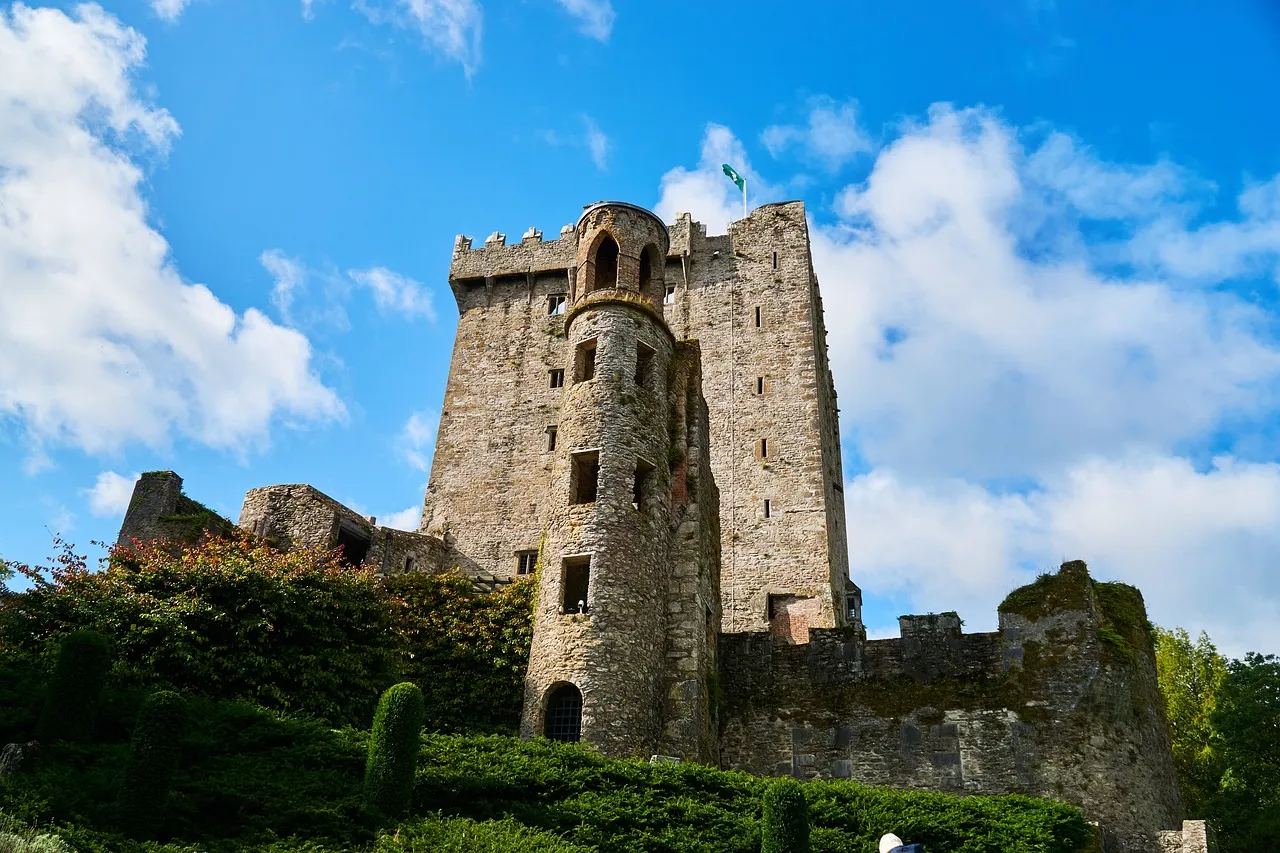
pixel 750 299
pixel 159 509
pixel 1049 705
pixel 1193 837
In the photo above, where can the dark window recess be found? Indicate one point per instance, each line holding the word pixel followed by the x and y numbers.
pixel 526 562
pixel 757 316
pixel 642 486
pixel 644 364
pixel 768 508
pixel 551 438
pixel 762 448
pixel 555 304
pixel 586 476
pixel 669 297
pixel 607 263
pixel 775 605
pixel 851 606
pixel 564 714
pixel 354 543
pixel 775 260
pixel 759 384
pixel 557 378
pixel 585 361
pixel 577 581
pixel 408 564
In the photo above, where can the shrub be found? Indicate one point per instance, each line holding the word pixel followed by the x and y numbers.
pixel 462 835
pixel 153 760
pixel 41 843
pixel 84 657
pixel 393 751
pixel 785 828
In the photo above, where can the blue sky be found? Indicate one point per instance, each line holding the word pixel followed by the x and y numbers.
pixel 1048 235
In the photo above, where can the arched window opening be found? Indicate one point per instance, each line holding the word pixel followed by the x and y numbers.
pixel 607 263
pixel 564 714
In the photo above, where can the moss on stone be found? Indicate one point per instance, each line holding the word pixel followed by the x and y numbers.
pixel 1067 589
pixel 1123 627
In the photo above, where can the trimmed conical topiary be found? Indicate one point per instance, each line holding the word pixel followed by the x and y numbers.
pixel 71 700
pixel 786 819
pixel 153 759
pixel 393 751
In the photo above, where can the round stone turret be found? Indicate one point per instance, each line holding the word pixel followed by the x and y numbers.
pixel 598 661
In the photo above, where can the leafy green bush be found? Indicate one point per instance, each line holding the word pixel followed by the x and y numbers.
pixel 38 843
pixel 393 751
pixel 785 828
pixel 84 658
pixel 461 835
pixel 153 760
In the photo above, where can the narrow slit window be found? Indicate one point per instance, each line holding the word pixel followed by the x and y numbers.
pixel 576 584
pixel 557 378
pixel 768 508
pixel 641 487
pixel 585 476
pixel 759 384
pixel 775 260
pixel 644 364
pixel 669 297
pixel 646 270
pixel 762 448
pixel 551 438
pixel 555 304
pixel 526 562
pixel 757 316
pixel 585 362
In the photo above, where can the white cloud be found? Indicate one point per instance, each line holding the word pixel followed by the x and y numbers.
pixel 101 341
pixel 451 27
pixel 290 274
pixel 110 494
pixel 405 519
pixel 395 292
pixel 595 16
pixel 832 136
pixel 597 143
pixel 1020 396
pixel 169 10
pixel 417 439
pixel 705 191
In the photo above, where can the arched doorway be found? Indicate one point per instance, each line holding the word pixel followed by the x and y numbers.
pixel 564 714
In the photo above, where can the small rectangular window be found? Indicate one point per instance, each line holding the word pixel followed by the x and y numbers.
pixel 775 260
pixel 757 316
pixel 551 438
pixel 851 606
pixel 768 508
pixel 557 378
pixel 526 562
pixel 576 583
pixel 585 476
pixel 640 489
pixel 759 384
pixel 762 448
pixel 555 304
pixel 644 364
pixel 585 362
pixel 669 297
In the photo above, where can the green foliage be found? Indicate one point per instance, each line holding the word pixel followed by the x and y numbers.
pixel 461 835
pixel 393 751
pixel 232 619
pixel 1190 676
pixel 467 650
pixel 1246 731
pixel 37 843
pixel 79 673
pixel 785 826
pixel 1123 629
pixel 1067 589
pixel 153 760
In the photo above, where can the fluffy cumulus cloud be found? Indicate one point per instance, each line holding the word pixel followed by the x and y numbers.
pixel 595 17
pixel 1038 355
pixel 110 494
pixel 405 519
pixel 102 342
pixel 393 292
pixel 417 438
pixel 831 136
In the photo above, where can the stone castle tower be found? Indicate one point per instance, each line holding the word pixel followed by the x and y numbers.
pixel 750 300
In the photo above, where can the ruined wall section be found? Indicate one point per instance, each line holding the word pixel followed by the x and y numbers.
pixel 296 516
pixel 750 299
pixel 1061 702
pixel 159 509
pixel 488 490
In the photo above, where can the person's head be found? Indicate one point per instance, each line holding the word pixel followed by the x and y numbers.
pixel 889 842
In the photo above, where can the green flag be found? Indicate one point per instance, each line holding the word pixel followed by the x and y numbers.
pixel 734 176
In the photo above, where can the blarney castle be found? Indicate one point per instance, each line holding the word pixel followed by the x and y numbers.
pixel 642 416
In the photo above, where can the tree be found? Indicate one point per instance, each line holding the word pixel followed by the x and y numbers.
pixel 1246 725
pixel 1190 677
pixel 785 828
pixel 393 751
